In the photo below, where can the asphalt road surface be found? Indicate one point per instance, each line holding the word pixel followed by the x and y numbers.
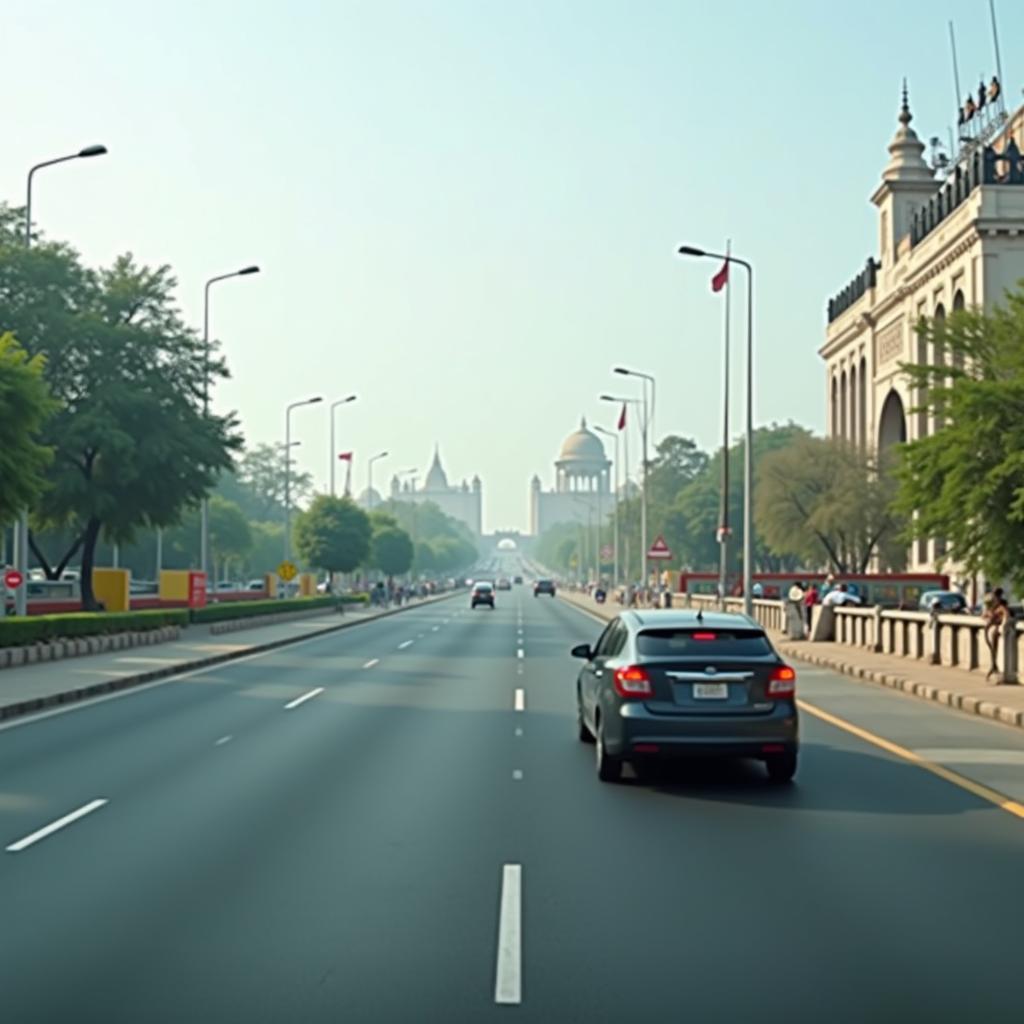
pixel 395 823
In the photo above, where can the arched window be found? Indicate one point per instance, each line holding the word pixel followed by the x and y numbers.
pixel 862 402
pixel 843 407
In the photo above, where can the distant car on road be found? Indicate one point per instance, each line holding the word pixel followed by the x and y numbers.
pixel 482 593
pixel 517 579
pixel 662 684
pixel 544 587
pixel 950 602
pixel 504 584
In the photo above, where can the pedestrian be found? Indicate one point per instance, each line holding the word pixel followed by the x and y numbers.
pixel 839 596
pixel 757 590
pixel 997 619
pixel 811 598
pixel 796 593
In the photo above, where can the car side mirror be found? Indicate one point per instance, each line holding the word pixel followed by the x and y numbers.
pixel 582 651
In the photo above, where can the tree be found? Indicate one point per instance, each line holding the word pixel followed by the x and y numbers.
pixel 392 551
pixel 132 445
pixel 965 482
pixel 826 500
pixel 230 535
pixel 258 484
pixel 24 406
pixel 333 534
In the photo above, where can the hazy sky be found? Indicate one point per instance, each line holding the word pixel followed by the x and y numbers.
pixel 466 212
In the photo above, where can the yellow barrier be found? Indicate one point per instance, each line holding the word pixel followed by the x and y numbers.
pixel 111 589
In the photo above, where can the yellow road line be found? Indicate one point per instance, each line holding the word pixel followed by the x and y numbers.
pixel 993 796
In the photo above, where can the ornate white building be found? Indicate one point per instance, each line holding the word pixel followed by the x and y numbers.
pixel 463 502
pixel 944 243
pixel 582 484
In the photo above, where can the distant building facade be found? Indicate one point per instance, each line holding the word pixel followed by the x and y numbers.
pixel 944 244
pixel 582 491
pixel 463 502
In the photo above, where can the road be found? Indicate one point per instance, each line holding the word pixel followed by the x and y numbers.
pixel 363 827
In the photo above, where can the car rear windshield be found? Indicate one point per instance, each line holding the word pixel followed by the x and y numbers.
pixel 483 586
pixel 659 643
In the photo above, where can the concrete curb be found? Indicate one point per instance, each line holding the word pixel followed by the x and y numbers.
pixel 27 707
pixel 959 701
pixel 255 621
pixel 74 647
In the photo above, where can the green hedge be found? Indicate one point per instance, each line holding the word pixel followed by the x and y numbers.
pixel 248 609
pixel 39 628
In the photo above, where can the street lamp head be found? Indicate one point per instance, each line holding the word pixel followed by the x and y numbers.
pixel 691 250
pixel 92 151
pixel 248 270
pixel 611 398
pixel 622 370
pixel 351 398
pixel 313 401
pixel 382 455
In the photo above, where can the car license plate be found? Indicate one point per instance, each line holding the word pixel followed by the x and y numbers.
pixel 711 691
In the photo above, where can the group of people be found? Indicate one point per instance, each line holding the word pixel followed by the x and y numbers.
pixel 831 594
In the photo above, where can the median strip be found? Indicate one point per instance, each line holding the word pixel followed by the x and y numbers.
pixel 46 830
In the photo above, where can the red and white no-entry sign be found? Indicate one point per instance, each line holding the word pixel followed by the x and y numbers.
pixel 13 579
pixel 659 549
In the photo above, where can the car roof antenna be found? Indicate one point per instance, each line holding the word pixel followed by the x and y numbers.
pixel 700 614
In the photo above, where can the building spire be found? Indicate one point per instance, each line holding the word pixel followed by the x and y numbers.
pixel 906 160
pixel 905 115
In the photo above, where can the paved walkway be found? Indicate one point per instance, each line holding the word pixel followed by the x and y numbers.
pixel 949 686
pixel 44 684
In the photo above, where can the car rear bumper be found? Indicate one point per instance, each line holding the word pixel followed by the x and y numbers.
pixel 490 604
pixel 758 736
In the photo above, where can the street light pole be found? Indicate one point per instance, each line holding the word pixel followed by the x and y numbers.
pixel 369 477
pixel 625 462
pixel 748 447
pixel 21 527
pixel 288 471
pixel 204 510
pixel 615 516
pixel 334 454
pixel 647 421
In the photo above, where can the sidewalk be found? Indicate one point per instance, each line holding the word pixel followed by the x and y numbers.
pixel 949 686
pixel 49 683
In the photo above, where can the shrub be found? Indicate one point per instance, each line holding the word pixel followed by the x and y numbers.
pixel 35 629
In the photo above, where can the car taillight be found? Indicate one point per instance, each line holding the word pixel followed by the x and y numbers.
pixel 632 682
pixel 782 682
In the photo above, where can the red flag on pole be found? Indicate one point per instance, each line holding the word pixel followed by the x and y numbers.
pixel 622 416
pixel 345 456
pixel 721 279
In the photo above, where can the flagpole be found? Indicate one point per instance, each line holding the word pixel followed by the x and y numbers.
pixel 724 516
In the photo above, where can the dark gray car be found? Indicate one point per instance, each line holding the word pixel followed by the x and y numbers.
pixel 663 684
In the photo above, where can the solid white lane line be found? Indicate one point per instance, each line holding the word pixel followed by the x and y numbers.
pixel 517 774
pixel 520 704
pixel 372 662
pixel 302 700
pixel 21 844
pixel 222 741
pixel 407 643
pixel 508 974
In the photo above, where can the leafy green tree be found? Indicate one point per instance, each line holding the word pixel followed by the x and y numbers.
pixel 132 446
pixel 257 485
pixel 333 534
pixel 267 547
pixel 965 482
pixel 24 406
pixel 230 534
pixel 827 501
pixel 392 551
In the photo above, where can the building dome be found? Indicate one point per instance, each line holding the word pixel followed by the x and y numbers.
pixel 582 445
pixel 370 498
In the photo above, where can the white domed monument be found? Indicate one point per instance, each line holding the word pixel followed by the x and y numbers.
pixel 582 489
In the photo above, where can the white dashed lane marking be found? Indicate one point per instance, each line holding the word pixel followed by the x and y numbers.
pixel 54 826
pixel 372 662
pixel 302 700
pixel 520 700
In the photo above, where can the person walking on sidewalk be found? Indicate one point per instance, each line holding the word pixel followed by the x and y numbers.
pixel 997 619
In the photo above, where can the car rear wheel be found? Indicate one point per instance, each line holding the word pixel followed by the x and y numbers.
pixel 609 769
pixel 781 768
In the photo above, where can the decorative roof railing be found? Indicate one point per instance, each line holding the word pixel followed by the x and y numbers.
pixel 866 279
